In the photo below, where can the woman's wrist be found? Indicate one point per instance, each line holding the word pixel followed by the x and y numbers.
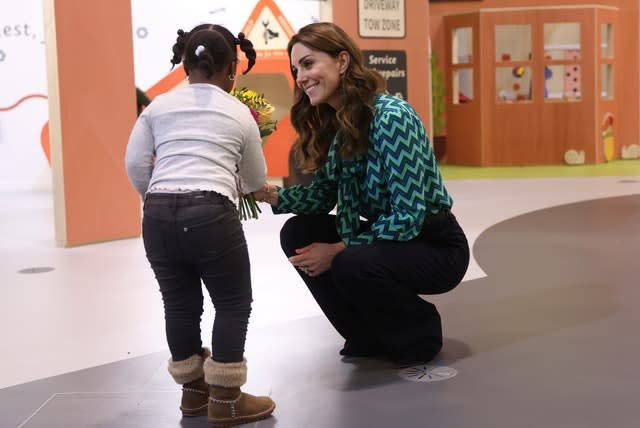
pixel 271 195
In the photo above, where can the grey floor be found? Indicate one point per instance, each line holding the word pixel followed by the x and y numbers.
pixel 541 333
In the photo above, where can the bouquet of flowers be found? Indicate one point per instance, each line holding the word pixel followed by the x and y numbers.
pixel 261 109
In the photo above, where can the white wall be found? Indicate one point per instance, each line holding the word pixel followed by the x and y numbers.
pixel 22 74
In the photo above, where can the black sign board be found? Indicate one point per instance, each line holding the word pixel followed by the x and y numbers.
pixel 393 67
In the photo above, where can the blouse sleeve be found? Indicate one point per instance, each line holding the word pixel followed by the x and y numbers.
pixel 317 198
pixel 139 155
pixel 252 168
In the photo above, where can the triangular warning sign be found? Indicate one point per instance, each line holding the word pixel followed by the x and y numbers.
pixel 268 29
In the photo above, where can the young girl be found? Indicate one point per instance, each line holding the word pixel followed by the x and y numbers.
pixel 190 152
pixel 393 236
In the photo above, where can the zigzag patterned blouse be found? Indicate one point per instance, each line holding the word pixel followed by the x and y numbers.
pixel 394 186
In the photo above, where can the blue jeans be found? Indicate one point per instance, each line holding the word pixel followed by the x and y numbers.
pixel 190 239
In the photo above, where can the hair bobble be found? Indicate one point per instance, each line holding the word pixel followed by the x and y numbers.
pixel 240 38
pixel 199 50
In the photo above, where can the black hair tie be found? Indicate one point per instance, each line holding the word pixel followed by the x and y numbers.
pixel 240 38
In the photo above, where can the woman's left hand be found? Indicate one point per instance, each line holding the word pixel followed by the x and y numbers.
pixel 316 258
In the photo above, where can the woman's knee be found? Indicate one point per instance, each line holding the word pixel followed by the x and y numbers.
pixel 300 230
pixel 290 234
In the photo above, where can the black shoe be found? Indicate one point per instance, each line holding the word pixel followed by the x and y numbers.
pixel 356 350
pixel 409 361
pixel 414 358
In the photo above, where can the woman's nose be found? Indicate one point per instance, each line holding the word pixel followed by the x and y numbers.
pixel 300 78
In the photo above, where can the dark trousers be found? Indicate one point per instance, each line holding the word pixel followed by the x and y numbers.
pixel 190 239
pixel 370 294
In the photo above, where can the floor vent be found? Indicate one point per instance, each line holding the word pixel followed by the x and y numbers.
pixel 425 373
pixel 37 269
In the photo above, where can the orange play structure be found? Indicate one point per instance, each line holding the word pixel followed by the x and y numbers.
pixel 538 82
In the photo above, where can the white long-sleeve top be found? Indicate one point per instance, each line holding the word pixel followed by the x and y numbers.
pixel 201 138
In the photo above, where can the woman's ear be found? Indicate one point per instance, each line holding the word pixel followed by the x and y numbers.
pixel 344 59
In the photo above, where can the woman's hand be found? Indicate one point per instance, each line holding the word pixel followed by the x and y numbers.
pixel 316 258
pixel 267 193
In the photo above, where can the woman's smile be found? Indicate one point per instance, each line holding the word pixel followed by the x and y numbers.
pixel 317 74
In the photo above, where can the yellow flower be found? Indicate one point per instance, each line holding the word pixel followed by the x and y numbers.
pixel 260 107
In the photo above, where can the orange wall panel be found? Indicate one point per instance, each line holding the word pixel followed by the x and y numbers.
pixel 92 112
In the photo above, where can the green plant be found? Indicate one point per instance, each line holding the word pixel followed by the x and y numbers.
pixel 437 95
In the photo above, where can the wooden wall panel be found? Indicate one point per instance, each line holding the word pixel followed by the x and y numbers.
pixel 541 130
pixel 92 110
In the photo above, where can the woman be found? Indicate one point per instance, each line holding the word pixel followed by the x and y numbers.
pixel 393 236
pixel 189 154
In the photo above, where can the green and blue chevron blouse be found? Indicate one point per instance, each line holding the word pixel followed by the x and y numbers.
pixel 395 185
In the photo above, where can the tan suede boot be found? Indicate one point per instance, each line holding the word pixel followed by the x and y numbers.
pixel 228 405
pixel 190 374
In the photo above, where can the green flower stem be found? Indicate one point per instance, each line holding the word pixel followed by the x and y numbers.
pixel 248 207
pixel 241 209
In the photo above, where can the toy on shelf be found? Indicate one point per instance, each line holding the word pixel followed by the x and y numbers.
pixel 607 136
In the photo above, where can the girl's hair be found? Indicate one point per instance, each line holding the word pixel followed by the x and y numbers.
pixel 317 125
pixel 219 49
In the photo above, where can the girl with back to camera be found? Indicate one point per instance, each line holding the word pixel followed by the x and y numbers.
pixel 393 236
pixel 207 149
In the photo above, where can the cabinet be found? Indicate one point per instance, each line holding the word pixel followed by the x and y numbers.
pixel 531 86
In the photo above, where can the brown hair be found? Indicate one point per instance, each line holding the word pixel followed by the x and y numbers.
pixel 316 126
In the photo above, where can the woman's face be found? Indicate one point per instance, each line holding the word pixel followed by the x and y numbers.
pixel 318 74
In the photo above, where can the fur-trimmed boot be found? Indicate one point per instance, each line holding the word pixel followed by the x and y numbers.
pixel 190 374
pixel 228 405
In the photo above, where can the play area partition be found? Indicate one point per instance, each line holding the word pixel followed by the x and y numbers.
pixel 532 86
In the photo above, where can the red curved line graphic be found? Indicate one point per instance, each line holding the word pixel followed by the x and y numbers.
pixel 21 100
pixel 44 142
